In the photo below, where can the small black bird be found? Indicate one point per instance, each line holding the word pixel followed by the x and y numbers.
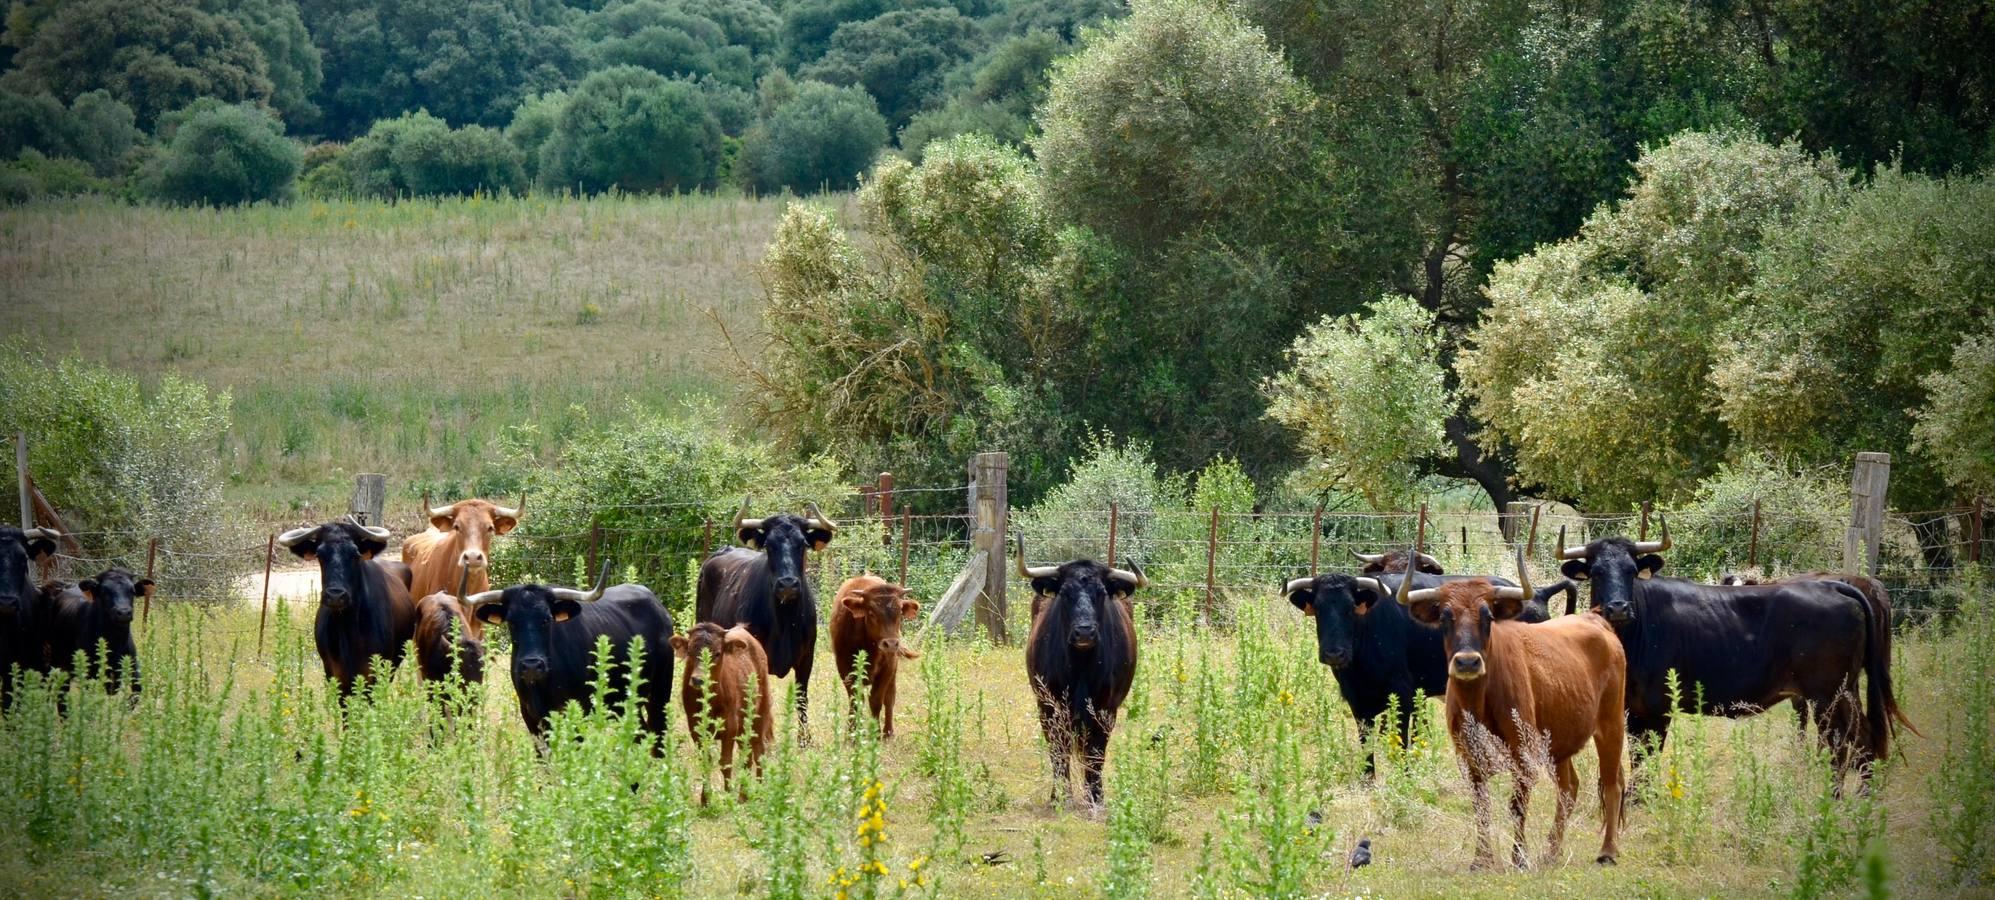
pixel 1362 856
pixel 995 858
pixel 1314 818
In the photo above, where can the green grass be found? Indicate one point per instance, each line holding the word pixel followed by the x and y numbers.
pixel 233 774
pixel 399 338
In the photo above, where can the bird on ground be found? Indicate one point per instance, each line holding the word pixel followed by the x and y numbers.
pixel 1362 856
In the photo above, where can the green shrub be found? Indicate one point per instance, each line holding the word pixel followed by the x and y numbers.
pixel 34 176
pixel 823 138
pixel 323 175
pixel 1802 514
pixel 419 155
pixel 533 123
pixel 631 129
pixel 224 156
pixel 95 128
pixel 126 462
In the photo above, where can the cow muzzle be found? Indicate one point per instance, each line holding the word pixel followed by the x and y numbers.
pixel 10 603
pixel 531 669
pixel 1619 612
pixel 336 598
pixel 787 587
pixel 473 560
pixel 1465 666
pixel 1335 659
pixel 121 615
pixel 1083 637
pixel 890 647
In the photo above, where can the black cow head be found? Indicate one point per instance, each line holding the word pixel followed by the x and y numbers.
pixel 1074 598
pixel 529 612
pixel 785 539
pixel 18 548
pixel 340 548
pixel 1613 565
pixel 113 593
pixel 1336 602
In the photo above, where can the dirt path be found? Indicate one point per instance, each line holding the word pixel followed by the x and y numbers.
pixel 298 583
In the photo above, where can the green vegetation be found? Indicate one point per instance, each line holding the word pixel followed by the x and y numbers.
pixel 236 773
pixel 223 156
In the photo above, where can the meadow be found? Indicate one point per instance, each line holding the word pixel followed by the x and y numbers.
pixel 1234 772
pixel 404 338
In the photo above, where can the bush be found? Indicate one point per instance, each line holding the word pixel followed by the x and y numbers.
pixel 224 156
pixel 1955 427
pixel 34 176
pixel 651 482
pixel 127 463
pixel 95 128
pixel 991 119
pixel 533 123
pixel 1802 515
pixel 419 155
pixel 633 130
pixel 323 175
pixel 823 138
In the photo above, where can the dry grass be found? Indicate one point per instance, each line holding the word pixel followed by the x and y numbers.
pixel 399 338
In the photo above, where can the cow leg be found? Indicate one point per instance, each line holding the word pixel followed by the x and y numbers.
pixel 1479 798
pixel 1520 803
pixel 1059 743
pixel 803 667
pixel 1365 744
pixel 1094 755
pixel 883 706
pixel 1567 779
pixel 1608 739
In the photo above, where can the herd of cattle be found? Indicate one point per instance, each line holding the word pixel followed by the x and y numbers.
pixel 1523 688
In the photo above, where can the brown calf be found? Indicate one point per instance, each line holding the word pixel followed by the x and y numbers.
pixel 445 642
pixel 1543 690
pixel 867 618
pixel 718 691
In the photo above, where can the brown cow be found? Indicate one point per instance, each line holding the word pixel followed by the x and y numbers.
pixel 866 617
pixel 445 642
pixel 1543 690
pixel 718 691
pixel 459 542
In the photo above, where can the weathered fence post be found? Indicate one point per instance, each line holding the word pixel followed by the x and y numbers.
pixel 1870 478
pixel 370 496
pixel 1643 534
pixel 269 556
pixel 1211 565
pixel 151 555
pixel 907 529
pixel 21 476
pixel 1531 543
pixel 706 540
pixel 886 497
pixel 1316 536
pixel 595 545
pixel 1752 546
pixel 1419 534
pixel 1465 541
pixel 990 513
pixel 1974 529
pixel 1114 517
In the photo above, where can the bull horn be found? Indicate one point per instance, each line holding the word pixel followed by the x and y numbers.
pixel 1133 574
pixel 292 537
pixel 1655 546
pixel 1422 557
pixel 1370 559
pixel 40 533
pixel 1372 584
pixel 379 534
pixel 1029 573
pixel 445 511
pixel 1423 595
pixel 463 581
pixel 1523 589
pixel 817 518
pixel 1405 584
pixel 741 519
pixel 510 512
pixel 1296 584
pixel 483 598
pixel 586 596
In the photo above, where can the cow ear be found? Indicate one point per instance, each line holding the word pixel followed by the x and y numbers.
pixel 1303 600
pixel 504 524
pixel 855 602
pixel 1363 599
pixel 565 610
pixel 370 546
pixel 679 646
pixel 89 587
pixel 1648 565
pixel 306 549
pixel 819 538
pixel 1046 585
pixel 734 644
pixel 1426 612
pixel 910 609
pixel 40 547
pixel 1506 608
pixel 490 613
pixel 442 523
pixel 1574 569
pixel 750 538
pixel 143 586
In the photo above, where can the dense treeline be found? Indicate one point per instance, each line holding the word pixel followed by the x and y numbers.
pixel 632 95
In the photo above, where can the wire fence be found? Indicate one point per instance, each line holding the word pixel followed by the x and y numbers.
pixel 1200 564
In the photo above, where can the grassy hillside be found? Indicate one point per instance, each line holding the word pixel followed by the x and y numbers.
pixel 400 338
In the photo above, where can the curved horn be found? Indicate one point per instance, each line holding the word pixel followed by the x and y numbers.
pixel 586 596
pixel 1408 598
pixel 1655 546
pixel 1523 590
pixel 40 533
pixel 1133 574
pixel 463 581
pixel 1029 573
pixel 741 519
pixel 1373 584
pixel 1405 584
pixel 510 512
pixel 379 534
pixel 1370 559
pixel 483 597
pixel 817 518
pixel 1296 584
pixel 292 537
pixel 445 511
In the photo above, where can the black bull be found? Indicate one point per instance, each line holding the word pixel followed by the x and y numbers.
pixel 764 589
pixel 1738 650
pixel 1377 653
pixel 365 612
pixel 1081 660
pixel 554 634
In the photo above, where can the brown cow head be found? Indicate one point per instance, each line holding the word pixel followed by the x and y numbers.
pixel 715 643
pixel 882 608
pixel 1466 611
pixel 473 523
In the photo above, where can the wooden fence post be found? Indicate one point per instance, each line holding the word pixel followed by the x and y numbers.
pixel 706 540
pixel 1531 543
pixel 907 529
pixel 151 555
pixel 21 477
pixel 370 497
pixel 1211 564
pixel 595 546
pixel 1114 517
pixel 1465 542
pixel 990 513
pixel 1316 536
pixel 1974 529
pixel 886 497
pixel 1870 479
pixel 1419 534
pixel 1643 534
pixel 269 556
pixel 1752 546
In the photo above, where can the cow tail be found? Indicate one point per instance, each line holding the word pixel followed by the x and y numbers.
pixel 1880 703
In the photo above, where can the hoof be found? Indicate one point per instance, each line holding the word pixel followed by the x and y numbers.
pixel 1605 859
